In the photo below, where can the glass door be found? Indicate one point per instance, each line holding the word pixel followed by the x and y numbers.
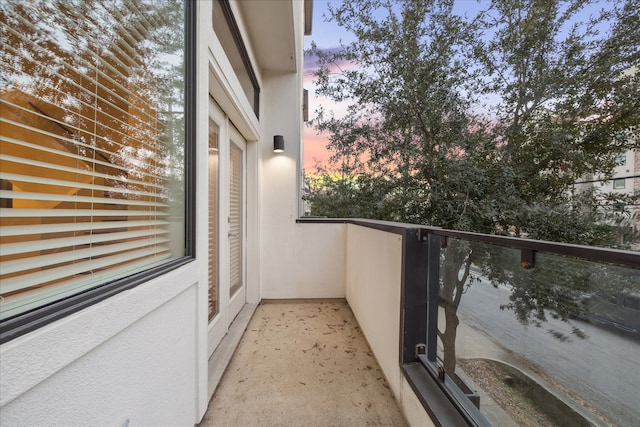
pixel 237 221
pixel 226 169
pixel 216 301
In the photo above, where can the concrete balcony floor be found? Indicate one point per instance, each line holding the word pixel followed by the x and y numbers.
pixel 303 363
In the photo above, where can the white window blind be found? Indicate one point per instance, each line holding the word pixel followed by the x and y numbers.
pixel 91 144
pixel 214 135
pixel 236 200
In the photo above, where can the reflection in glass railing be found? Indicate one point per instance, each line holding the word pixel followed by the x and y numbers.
pixel 554 344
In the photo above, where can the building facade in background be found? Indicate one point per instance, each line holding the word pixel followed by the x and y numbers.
pixel 624 182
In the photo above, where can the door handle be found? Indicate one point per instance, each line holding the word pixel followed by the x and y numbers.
pixel 233 234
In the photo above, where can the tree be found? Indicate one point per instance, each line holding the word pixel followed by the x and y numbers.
pixel 480 123
pixel 364 196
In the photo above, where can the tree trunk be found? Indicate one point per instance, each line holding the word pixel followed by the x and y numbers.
pixel 449 338
pixel 452 286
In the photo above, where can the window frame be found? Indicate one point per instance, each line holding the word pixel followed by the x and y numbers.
pixel 243 53
pixel 23 323
pixel 618 183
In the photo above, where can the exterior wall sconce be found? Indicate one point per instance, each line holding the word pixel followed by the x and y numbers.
pixel 305 105
pixel 278 143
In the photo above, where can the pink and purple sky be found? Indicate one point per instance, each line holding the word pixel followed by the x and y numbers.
pixel 326 35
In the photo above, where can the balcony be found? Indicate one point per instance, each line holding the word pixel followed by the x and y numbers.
pixel 535 332
pixel 303 363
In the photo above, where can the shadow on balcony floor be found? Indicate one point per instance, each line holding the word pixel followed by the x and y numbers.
pixel 303 364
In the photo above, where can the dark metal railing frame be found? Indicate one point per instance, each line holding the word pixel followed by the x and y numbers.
pixel 442 399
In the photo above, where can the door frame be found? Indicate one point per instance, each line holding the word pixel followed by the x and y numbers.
pixel 239 298
pixel 228 306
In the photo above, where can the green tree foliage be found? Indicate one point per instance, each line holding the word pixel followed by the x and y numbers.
pixel 480 122
pixel 363 196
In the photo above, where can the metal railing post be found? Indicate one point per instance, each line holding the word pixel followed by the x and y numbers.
pixel 414 295
pixel 433 295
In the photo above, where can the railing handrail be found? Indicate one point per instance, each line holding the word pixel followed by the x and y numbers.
pixel 591 253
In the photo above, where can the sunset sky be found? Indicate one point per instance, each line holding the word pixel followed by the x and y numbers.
pixel 326 36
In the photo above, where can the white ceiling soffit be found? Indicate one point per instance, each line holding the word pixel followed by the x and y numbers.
pixel 270 27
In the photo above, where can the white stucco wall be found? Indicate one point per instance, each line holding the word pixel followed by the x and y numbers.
pixel 308 263
pixel 319 260
pixel 278 186
pixel 373 290
pixel 132 357
pixel 296 260
pixel 374 268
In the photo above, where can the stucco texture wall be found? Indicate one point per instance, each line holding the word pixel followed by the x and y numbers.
pixel 130 359
pixel 373 289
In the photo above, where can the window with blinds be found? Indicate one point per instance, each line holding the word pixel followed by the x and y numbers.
pixel 92 144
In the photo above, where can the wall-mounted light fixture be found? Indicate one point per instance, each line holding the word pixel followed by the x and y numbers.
pixel 278 143
pixel 305 105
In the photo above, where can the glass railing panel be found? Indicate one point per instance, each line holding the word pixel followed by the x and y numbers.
pixel 557 341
